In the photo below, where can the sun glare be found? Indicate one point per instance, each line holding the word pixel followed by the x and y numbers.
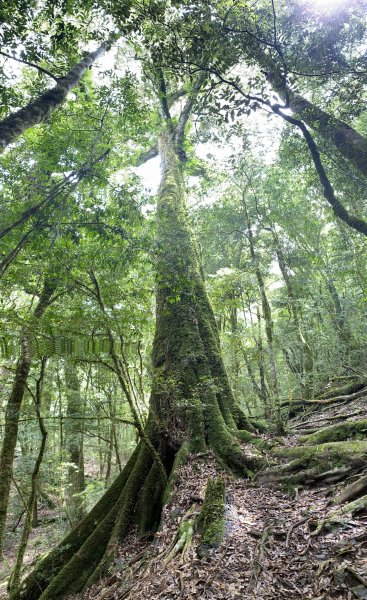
pixel 327 5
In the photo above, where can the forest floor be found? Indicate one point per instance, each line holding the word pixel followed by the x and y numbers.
pixel 268 552
pixel 269 549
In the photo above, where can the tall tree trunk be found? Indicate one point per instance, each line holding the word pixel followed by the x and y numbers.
pixel 39 109
pixel 15 402
pixel 261 364
pixel 307 363
pixel 257 389
pixel 338 314
pixel 15 578
pixel 234 351
pixel 351 144
pixel 266 311
pixel 74 442
pixel 191 406
pixel 261 388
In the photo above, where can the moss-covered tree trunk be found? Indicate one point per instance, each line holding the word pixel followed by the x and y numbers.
pixel 191 407
pixel 15 401
pixel 39 109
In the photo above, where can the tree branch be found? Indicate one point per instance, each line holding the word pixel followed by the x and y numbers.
pixel 30 64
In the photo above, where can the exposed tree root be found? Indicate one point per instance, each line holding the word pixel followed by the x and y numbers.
pixel 339 417
pixel 330 450
pixel 345 390
pixel 337 516
pixel 330 462
pixel 80 568
pixel 51 564
pixel 183 539
pixel 337 432
pixel 352 491
pixel 137 497
pixel 326 401
pixel 211 519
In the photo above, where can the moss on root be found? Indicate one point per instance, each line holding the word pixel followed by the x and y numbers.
pixel 344 449
pixel 211 522
pixel 344 390
pixel 249 438
pixel 329 462
pixel 183 540
pixel 337 516
pixel 181 459
pixel 51 564
pixel 260 425
pixel 150 502
pixel 80 569
pixel 338 432
pixel 226 445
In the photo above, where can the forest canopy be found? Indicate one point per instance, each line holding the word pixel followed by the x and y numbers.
pixel 182 266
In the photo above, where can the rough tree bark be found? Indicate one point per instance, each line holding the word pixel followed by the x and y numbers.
pixel 39 109
pixel 349 142
pixel 74 442
pixel 15 401
pixel 191 408
pixel 234 344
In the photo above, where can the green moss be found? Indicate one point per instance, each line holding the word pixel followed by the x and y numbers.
pixel 339 432
pixel 211 519
pixel 260 425
pixel 244 436
pixel 249 438
pixel 331 449
pixel 148 511
pixel 222 441
pixel 183 540
pixel 180 460
pixel 343 390
pixel 195 423
pixel 53 562
pixel 91 557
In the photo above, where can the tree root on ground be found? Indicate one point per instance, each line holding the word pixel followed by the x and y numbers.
pixel 338 417
pixel 330 450
pixel 352 491
pixel 211 519
pixel 330 462
pixel 183 539
pixel 348 389
pixel 337 432
pixel 210 523
pixel 336 516
pixel 317 402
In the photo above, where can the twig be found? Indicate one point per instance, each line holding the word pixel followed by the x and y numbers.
pixel 359 577
pixel 30 64
pixel 293 527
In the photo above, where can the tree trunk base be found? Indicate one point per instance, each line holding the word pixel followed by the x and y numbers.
pixel 135 498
